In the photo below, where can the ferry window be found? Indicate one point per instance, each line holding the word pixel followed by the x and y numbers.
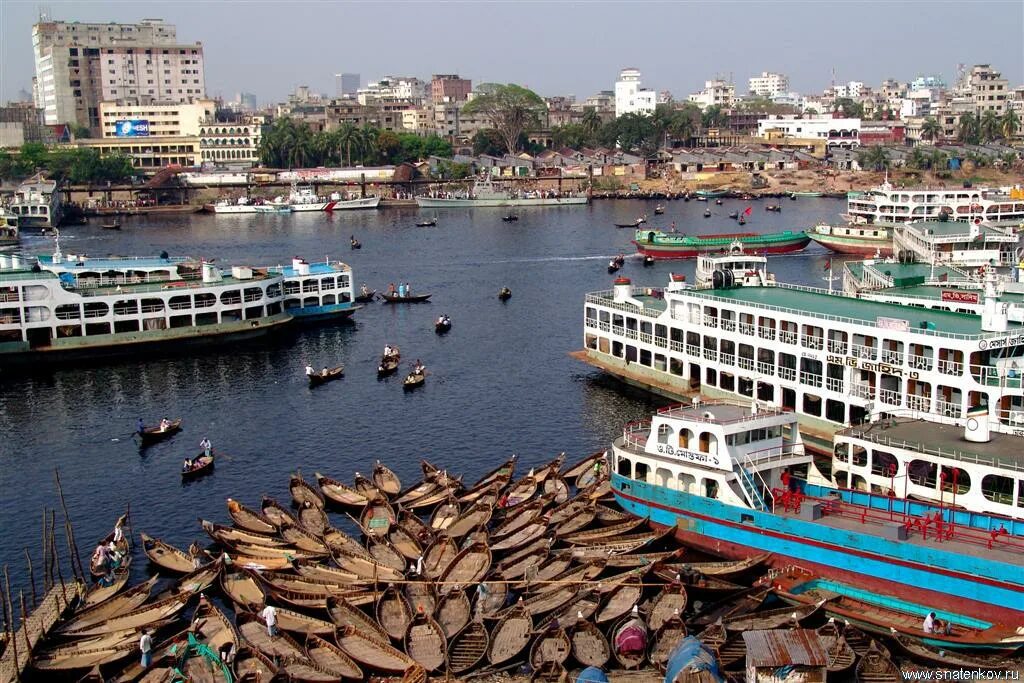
pixel 309 286
pixel 233 296
pixel 327 300
pixel 687 482
pixel 788 398
pixel 685 436
pixel 841 451
pixel 604 316
pixel 630 354
pixel 998 489
pixel 708 443
pixel 884 464
pixel 728 349
pixel 922 473
pixel 97 328
pixel 660 332
pixel 858 455
pixel 327 283
pixel 955 476
pixel 291 288
pixel 591 313
pixel 625 468
pixel 617 320
pixel 646 328
pixel 641 472
pixel 711 378
pixel 765 392
pixel 677 336
pixel 590 341
pixel 1020 493
pixel 859 483
pixel 692 339
pixel 617 348
pixel 835 410
pixel 675 366
pixel 727 382
pixel 663 477
pixel 664 433
pixel 842 479
pixel 746 386
pixel 710 488
pixel 631 324
pixel 812 404
pixel 645 357
pixel 68 331
pixel 121 326
pixel 659 362
pixel 292 303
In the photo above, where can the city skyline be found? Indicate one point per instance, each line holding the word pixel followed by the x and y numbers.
pixel 566 53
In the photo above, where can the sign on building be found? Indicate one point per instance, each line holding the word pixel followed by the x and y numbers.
pixel 131 128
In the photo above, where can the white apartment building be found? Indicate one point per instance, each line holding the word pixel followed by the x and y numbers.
pixel 630 98
pixel 988 88
pixel 716 93
pixel 163 119
pixel 769 84
pixel 837 132
pixel 234 143
pixel 394 89
pixel 79 65
pixel 852 89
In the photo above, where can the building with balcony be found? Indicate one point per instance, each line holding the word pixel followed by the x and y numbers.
pixel 835 132
pixel 716 93
pixel 769 84
pixel 152 119
pixel 630 98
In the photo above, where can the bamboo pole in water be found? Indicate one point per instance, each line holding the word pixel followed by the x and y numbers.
pixel 31 577
pixel 9 610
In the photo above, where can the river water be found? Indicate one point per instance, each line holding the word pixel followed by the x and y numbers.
pixel 500 382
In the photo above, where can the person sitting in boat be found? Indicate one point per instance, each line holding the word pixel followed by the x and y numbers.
pixel 419 368
pixel 388 350
pixel 140 426
pixel 187 465
pixel 364 290
pixel 391 289
pixel 929 623
pixel 115 555
pixel 323 373
pixel 165 424
pixel 101 556
pixel 310 371
pixel 206 445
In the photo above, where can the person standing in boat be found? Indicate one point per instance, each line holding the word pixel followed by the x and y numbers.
pixel 364 290
pixel 206 445
pixel 165 424
pixel 269 615
pixel 391 289
pixel 146 648
pixel 140 426
pixel 310 371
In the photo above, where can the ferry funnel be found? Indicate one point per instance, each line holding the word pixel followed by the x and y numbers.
pixel 977 429
pixel 622 290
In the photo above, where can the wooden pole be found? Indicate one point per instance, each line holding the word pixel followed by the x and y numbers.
pixel 24 624
pixel 76 560
pixel 9 609
pixel 56 562
pixel 31 577
pixel 46 583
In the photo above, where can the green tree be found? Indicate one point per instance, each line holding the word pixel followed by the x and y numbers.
pixel 637 132
pixel 849 108
pixel 930 129
pixel 918 158
pixel 433 145
pixel 449 170
pixel 389 147
pixel 79 131
pixel 988 126
pixel 591 123
pixel 969 130
pixel 1009 124
pixel 344 136
pixel 511 110
pixel 366 143
pixel 714 117
pixel 938 160
pixel 573 135
pixel 873 158
pixel 487 141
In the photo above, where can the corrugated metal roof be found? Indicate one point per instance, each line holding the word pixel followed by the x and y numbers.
pixel 801 647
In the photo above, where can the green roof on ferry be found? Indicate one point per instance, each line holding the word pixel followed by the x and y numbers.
pixel 953 228
pixel 935 292
pixel 906 274
pixel 817 303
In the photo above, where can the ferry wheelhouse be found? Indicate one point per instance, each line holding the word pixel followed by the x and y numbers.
pixel 941 524
pixel 317 291
pixel 888 205
pixel 736 265
pixel 832 359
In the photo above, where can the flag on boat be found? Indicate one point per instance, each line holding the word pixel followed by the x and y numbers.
pixel 828 264
pixel 747 212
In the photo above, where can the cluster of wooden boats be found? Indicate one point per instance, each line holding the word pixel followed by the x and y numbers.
pixel 373 578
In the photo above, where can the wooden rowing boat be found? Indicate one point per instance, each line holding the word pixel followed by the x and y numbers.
pixel 521 516
pixel 151 435
pixel 405 542
pixel 589 646
pixel 773 618
pixel 568 510
pixel 305 671
pixel 313 519
pixel 670 601
pixel 243 590
pixel 556 488
pixel 619 546
pixel 393 612
pixel 607 515
pixel 468 647
pixel 201 465
pixel 249 519
pixel 643 559
pixel 491 598
pixel 943 659
pixel 370 652
pixel 602 534
pixel 367 567
pixel 584 573
pixel 503 471
pixel 76 656
pixel 134 619
pixel 584 516
pixel 250 559
pixel 427 486
pixel 666 639
pixel 421 595
pixel 385 553
pixel 297 535
pixel 425 641
pixel 252 666
pixel 325 376
pixel 543 566
pixel 549 601
pixel 453 612
pixel 476 515
pixel 573 471
pixel 277 514
pixel 743 602
pixel 279 647
pixel 229 535
pixel 521 491
pixel 438 556
pixel 522 565
pixel 583 606
pixel 303 492
pixel 297 622
pixel 876 667
pixel 552 646
pixel 528 534
pixel 840 655
pixel 196 581
pixel 628 641
pixel 341 543
pixel 414 380
pixel 100 591
pixel 366 487
pixel 729 570
pixel 166 556
pixel 131 599
pixel 510 635
pixel 620 600
pixel 343 613
pixel 340 493
pixel 444 515
pixel 332 658
pixel 212 627
pixel 407 299
pixel 386 480
pixel 467 568
pixel 377 518
pixel 414 526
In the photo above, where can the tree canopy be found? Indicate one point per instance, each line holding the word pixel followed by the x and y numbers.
pixel 77 166
pixel 511 110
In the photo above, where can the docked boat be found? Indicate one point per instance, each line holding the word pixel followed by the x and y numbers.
pixel 704 195
pixel 302 199
pixel 662 245
pixel 113 225
pixel 152 435
pixel 166 556
pixel 9 233
pixel 859 239
pixel 806 194
pixel 246 205
pixel 345 202
pixel 889 205
pixel 732 265
pixel 37 204
pixel 485 193
pixel 326 375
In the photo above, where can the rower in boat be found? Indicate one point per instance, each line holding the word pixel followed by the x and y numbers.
pixel 718 202
pixel 356 244
pixel 648 261
pixel 613 266
pixel 510 218
pixel 443 324
pixel 505 294
pixel 707 213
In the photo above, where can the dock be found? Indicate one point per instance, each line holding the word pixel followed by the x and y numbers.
pixel 51 608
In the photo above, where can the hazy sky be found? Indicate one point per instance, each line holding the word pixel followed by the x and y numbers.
pixel 268 48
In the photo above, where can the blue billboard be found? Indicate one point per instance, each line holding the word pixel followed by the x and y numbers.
pixel 131 128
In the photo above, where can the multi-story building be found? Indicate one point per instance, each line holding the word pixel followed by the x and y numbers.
pixel 988 88
pixel 231 143
pixel 393 89
pixel 716 93
pixel 79 65
pixel 929 82
pixel 449 88
pixel 769 84
pixel 149 154
pixel 450 121
pixel 138 118
pixel 348 84
pixel 630 98
pixel 835 131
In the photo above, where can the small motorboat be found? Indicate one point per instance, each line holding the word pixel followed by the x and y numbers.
pixel 366 296
pixel 326 375
pixel 151 435
pixel 718 202
pixel 773 207
pixel 394 298
pixel 707 213
pixel 443 324
pixel 427 224
pixel 505 294
pixel 356 244
pixel 414 380
pixel 659 210
pixel 701 198
pixel 620 260
pixel 637 223
pixel 198 467
pixel 613 266
pixel 648 261
pixel 111 226
pixel 510 218
pixel 734 215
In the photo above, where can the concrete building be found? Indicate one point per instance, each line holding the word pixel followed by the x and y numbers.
pixel 630 98
pixel 231 143
pixel 834 131
pixel 79 65
pixel 132 118
pixel 149 154
pixel 769 84
pixel 716 93
pixel 393 89
pixel 348 84
pixel 988 88
pixel 929 82
pixel 449 88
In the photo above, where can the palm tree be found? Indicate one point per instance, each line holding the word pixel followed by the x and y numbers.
pixel 938 160
pixel 1009 124
pixel 591 123
pixel 968 128
pixel 988 126
pixel 366 143
pixel 344 137
pixel 874 158
pixel 930 129
pixel 917 158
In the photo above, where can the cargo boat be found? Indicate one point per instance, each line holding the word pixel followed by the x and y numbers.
pixel 664 245
pixel 487 194
pixel 857 239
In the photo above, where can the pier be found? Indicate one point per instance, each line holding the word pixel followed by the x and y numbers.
pixel 53 606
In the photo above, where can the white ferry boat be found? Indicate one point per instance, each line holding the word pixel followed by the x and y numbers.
pixel 903 514
pixel 245 205
pixel 970 245
pixel 486 193
pixel 9 233
pixel 735 266
pixel 37 204
pixel 65 307
pixel 304 199
pixel 344 202
pixel 832 359
pixel 888 205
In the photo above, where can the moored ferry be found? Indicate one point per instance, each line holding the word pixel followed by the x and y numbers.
pixel 486 193
pixel 832 359
pixel 666 245
pixel 317 291
pixel 246 205
pixel 889 205
pixel 9 233
pixel 37 203
pixel 961 244
pixel 901 508
pixel 854 238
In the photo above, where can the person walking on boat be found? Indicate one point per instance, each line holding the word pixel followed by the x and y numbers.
pixel 206 445
pixel 269 615
pixel 310 371
pixel 146 648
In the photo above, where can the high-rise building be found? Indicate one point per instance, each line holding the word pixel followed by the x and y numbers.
pixel 769 84
pixel 630 98
pixel 987 88
pixel 348 84
pixel 449 88
pixel 79 65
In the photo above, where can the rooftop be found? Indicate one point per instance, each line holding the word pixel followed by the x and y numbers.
pixel 114 262
pixel 904 274
pixel 784 647
pixel 719 412
pixel 958 229
pixel 314 269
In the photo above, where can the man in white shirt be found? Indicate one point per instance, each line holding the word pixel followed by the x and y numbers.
pixel 146 647
pixel 310 371
pixel 929 623
pixel 269 615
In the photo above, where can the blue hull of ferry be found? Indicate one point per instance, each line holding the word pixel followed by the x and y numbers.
pixel 312 313
pixel 880 560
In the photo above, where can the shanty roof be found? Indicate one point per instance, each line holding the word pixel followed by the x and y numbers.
pixel 800 647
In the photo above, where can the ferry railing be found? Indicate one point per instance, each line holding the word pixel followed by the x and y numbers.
pixel 919 362
pixel 812 342
pixel 834 384
pixel 949 409
pixel 787 337
pixel 865 352
pixel 765 368
pixel 788 374
pixel 862 390
pixel 747 329
pixel 728 358
pixel 676 346
pixel 646 337
pixel 892 357
pixel 948 367
pixel 694 412
pixel 728 325
pixel 692 350
pixel 989 375
pixel 836 347
pixel 630 333
pixel 919 403
pixel 893 398
pixel 810 379
pixel 604 298
pixel 710 354
pixel 710 321
pixel 661 341
pixel 746 363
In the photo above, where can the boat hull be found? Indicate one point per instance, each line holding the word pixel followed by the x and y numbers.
pixel 975 586
pixel 319 313
pixel 251 208
pixel 437 203
pixel 317 206
pixel 352 204
pixel 751 244
pixel 853 245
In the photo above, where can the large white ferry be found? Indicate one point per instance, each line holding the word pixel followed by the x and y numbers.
pixel 486 193
pixel 832 359
pixel 970 245
pixel 62 307
pixel 889 205
pixel 245 205
pixel 37 204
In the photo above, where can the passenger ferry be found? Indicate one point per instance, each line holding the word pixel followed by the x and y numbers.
pixel 854 238
pixel 972 245
pixel 888 205
pixel 9 234
pixel 832 359
pixel 901 507
pixel 486 193
pixel 735 265
pixel 64 307
pixel 37 204
pixel 245 205
pixel 345 202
